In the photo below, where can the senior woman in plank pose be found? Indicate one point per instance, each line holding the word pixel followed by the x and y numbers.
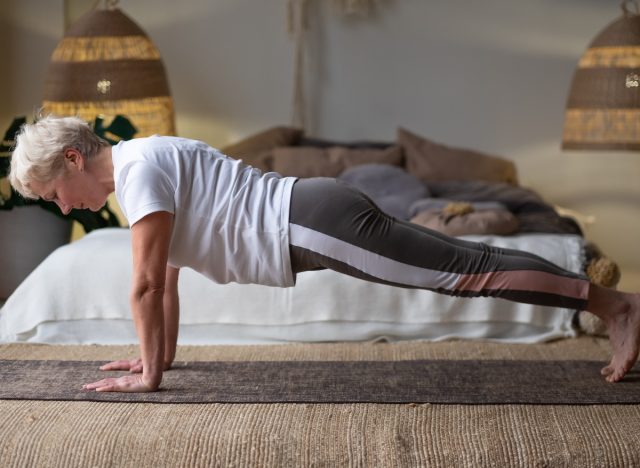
pixel 188 205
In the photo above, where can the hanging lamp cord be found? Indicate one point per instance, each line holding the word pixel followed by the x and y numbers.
pixel 297 25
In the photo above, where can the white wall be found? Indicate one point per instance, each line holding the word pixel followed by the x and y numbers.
pixel 490 75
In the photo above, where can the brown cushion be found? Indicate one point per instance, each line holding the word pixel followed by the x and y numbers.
pixel 499 222
pixel 305 161
pixel 433 162
pixel 256 150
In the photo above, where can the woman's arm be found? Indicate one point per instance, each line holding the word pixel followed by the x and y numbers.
pixel 171 307
pixel 150 238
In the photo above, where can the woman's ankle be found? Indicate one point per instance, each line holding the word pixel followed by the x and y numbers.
pixel 607 303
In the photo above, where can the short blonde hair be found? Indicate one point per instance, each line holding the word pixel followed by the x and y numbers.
pixel 40 147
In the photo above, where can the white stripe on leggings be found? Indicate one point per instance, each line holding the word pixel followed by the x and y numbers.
pixel 369 262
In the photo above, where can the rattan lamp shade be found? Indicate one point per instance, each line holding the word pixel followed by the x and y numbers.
pixel 603 108
pixel 106 65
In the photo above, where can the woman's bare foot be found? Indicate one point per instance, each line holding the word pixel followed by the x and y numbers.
pixel 621 313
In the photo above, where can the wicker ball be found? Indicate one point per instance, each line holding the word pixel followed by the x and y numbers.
pixel 106 65
pixel 591 324
pixel 603 272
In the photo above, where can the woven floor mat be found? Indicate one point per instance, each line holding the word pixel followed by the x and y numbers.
pixel 88 433
pixel 418 381
pixel 68 434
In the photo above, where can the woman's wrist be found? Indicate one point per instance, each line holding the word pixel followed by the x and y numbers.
pixel 152 380
pixel 169 357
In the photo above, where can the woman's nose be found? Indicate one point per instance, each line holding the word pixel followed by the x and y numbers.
pixel 64 208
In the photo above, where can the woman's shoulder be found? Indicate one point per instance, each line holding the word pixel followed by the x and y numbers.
pixel 158 141
pixel 156 145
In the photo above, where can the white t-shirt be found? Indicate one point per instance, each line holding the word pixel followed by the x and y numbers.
pixel 231 221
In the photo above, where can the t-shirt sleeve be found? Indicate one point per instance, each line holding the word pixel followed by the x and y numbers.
pixel 146 189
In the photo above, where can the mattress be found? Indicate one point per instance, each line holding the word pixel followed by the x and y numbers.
pixel 79 295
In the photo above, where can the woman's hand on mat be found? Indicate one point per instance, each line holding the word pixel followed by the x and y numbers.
pixel 131 365
pixel 126 383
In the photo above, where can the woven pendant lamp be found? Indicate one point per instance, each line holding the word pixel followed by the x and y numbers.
pixel 106 65
pixel 603 108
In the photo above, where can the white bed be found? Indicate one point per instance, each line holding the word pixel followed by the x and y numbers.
pixel 79 295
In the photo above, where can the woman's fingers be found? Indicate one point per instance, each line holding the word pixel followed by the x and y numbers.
pixel 98 384
pixel 123 364
pixel 126 383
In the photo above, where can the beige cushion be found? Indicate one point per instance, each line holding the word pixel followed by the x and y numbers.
pixel 433 162
pixel 256 150
pixel 499 222
pixel 307 161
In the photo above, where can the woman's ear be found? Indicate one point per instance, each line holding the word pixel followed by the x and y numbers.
pixel 74 159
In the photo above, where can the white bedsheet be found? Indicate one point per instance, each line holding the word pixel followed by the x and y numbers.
pixel 79 294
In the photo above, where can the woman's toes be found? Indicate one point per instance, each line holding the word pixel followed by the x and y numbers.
pixel 614 375
pixel 607 370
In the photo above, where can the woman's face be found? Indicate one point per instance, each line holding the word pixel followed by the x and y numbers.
pixel 75 188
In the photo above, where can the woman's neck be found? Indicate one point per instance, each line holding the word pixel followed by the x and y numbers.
pixel 102 168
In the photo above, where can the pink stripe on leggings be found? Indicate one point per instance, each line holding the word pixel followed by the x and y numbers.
pixel 525 280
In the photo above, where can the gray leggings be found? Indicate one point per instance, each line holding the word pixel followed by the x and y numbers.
pixel 333 225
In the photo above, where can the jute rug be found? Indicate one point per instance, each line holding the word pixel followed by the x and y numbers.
pixel 89 433
pixel 418 381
